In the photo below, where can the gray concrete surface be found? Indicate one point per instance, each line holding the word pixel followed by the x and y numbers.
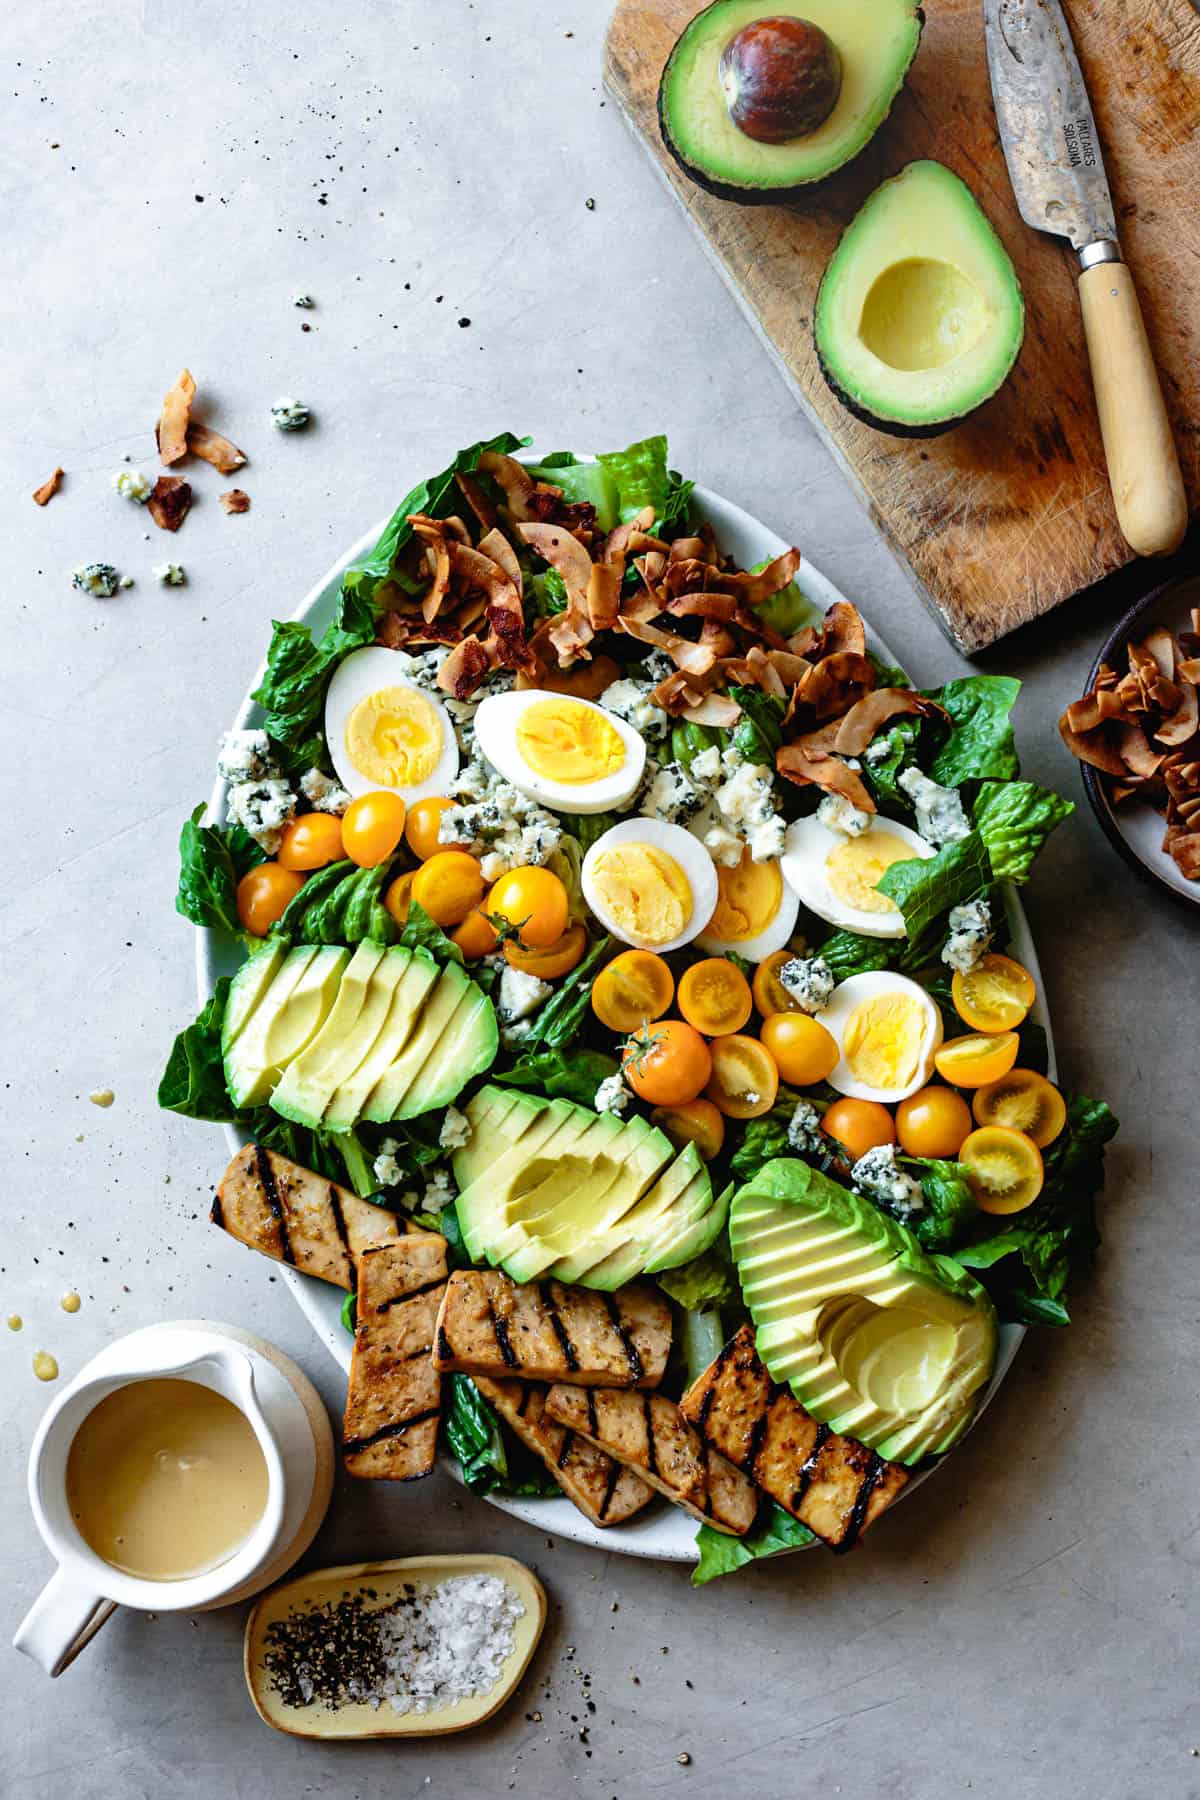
pixel 171 175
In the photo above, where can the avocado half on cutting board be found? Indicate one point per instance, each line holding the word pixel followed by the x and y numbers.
pixel 756 103
pixel 919 317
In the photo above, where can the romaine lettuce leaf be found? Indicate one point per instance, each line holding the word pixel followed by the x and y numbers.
pixel 212 860
pixel 559 1076
pixel 298 673
pixel 641 474
pixel 193 1082
pixel 420 932
pixel 950 1204
pixel 1014 819
pixel 773 1531
pixel 759 732
pixel 848 953
pixel 689 740
pixel 980 745
pixel 490 1460
pixel 587 482
pixel 926 888
pixel 882 777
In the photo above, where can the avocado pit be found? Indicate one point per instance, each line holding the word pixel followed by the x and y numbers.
pixel 781 77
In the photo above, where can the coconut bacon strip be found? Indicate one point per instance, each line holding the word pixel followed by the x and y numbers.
pixel 43 495
pixel 273 1205
pixel 548 1331
pixel 604 1491
pixel 389 1432
pixel 172 428
pixel 212 448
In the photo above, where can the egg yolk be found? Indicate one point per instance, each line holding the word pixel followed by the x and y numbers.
pixel 748 898
pixel 882 1040
pixel 394 737
pixel 854 868
pixel 567 742
pixel 645 892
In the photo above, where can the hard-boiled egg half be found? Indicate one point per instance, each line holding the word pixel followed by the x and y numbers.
pixel 567 753
pixel 755 911
pixel 888 1030
pixel 836 876
pixel 384 732
pixel 652 885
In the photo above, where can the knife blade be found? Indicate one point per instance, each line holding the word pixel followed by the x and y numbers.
pixel 1046 125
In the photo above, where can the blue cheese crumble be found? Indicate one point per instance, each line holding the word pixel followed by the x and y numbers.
pixel 810 981
pixel 941 816
pixel 671 796
pixel 804 1129
pixel 98 579
pixel 630 700
pixel 498 824
pixel 970 934
pixel 877 1177
pixel 290 415
pixel 456 1129
pixel 169 574
pixel 245 756
pixel 322 792
pixel 262 808
pixel 612 1096
pixel 837 813
pixel 520 995
pixel 132 484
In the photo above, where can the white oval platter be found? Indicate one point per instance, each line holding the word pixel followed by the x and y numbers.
pixel 663 1533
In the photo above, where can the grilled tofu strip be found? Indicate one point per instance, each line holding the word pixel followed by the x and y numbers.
pixel 832 1484
pixel 649 1434
pixel 603 1491
pixel 546 1331
pixel 284 1211
pixel 390 1428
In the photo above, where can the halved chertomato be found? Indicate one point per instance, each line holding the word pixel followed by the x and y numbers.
pixel 1005 1168
pixel 933 1122
pixel 398 897
pixel 745 1080
pixel 555 960
pixel 475 937
pixel 633 988
pixel 667 1062
pixel 1024 1101
pixel 804 1051
pixel 995 995
pixel 978 1058
pixel 858 1125
pixel 714 996
pixel 695 1122
pixel 770 995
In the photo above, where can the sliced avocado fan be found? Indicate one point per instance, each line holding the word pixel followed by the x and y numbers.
pixel 877 1339
pixel 919 317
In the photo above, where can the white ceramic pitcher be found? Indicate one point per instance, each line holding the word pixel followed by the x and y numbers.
pixel 286 1415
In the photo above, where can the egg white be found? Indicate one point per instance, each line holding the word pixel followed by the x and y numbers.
pixel 674 842
pixel 846 996
pixel 366 672
pixel 773 936
pixel 496 725
pixel 805 848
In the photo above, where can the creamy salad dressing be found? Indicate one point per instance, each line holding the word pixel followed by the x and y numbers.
pixel 166 1479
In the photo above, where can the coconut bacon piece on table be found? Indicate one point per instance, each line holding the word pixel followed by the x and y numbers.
pixel 284 1211
pixel 390 1429
pixel 594 1482
pixel 547 1331
pixel 649 1434
pixel 832 1484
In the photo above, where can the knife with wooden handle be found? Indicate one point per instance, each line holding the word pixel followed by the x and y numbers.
pixel 1057 173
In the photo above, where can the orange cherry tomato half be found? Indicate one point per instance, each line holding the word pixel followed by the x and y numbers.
pixel 770 995
pixel 858 1125
pixel 557 959
pixel 745 1080
pixel 976 1059
pixel 372 826
pixel 398 896
pixel 630 990
pixel 449 886
pixel 310 841
pixel 535 902
pixel 933 1122
pixel 263 894
pixel 1004 1167
pixel 666 1062
pixel 995 995
pixel 423 824
pixel 475 937
pixel 695 1122
pixel 804 1051
pixel 1024 1101
pixel 714 996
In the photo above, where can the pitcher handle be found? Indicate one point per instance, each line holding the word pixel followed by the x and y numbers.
pixel 63 1619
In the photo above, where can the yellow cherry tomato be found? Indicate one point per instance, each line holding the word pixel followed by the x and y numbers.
pixel 1005 1168
pixel 933 1122
pixel 634 987
pixel 449 886
pixel 694 1122
pixel 1024 1101
pixel 770 995
pixel 422 826
pixel 557 959
pixel 533 900
pixel 310 841
pixel 263 894
pixel 978 1058
pixel 714 996
pixel 475 937
pixel 803 1050
pixel 995 995
pixel 666 1063
pixel 858 1125
pixel 372 826
pixel 745 1080
pixel 398 896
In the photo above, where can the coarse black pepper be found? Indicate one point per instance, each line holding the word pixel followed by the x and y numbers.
pixel 331 1653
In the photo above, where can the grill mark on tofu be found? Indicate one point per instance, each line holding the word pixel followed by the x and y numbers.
pixel 266 1177
pixel 273 1205
pixel 351 1446
pixel 339 1221
pixel 651 1447
pixel 394 1394
pixel 596 1484
pixel 492 1325
pixel 831 1483
pixel 216 1213
pixel 437 1284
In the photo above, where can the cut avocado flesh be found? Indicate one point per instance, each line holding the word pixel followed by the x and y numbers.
pixel 350 1029
pixel 680 1195
pixel 876 41
pixel 467 1046
pixel 447 994
pixel 920 317
pixel 248 987
pixel 413 974
pixel 490 1111
pixel 876 1338
pixel 287 1017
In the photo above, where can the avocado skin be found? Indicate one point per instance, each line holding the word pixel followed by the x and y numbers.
pixel 771 196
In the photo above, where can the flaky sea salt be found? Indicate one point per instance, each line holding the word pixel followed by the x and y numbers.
pixel 449 1643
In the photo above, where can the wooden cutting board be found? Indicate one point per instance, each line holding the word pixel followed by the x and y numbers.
pixel 1004 517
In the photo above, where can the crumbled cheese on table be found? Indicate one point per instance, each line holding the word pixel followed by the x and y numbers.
pixel 98 579
pixel 169 574
pixel 132 484
pixel 290 415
